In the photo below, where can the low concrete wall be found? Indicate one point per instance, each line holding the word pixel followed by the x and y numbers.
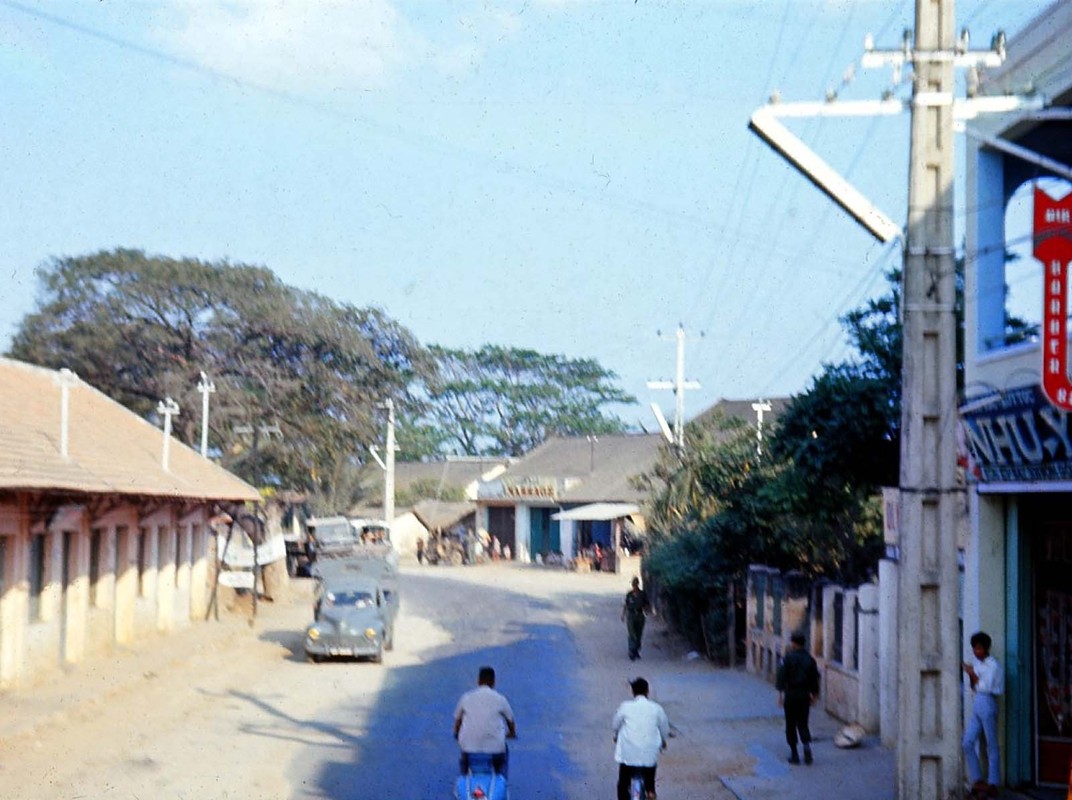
pixel 844 635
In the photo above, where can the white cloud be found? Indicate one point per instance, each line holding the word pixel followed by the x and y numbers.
pixel 326 44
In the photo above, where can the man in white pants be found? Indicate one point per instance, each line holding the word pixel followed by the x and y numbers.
pixel 988 682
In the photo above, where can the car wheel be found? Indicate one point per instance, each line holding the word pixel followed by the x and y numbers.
pixel 389 642
pixel 378 658
pixel 313 658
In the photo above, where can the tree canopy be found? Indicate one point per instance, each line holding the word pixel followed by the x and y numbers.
pixel 298 377
pixel 505 401
pixel 809 503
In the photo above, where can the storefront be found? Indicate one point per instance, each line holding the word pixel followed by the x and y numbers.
pixel 1021 558
pixel 1016 427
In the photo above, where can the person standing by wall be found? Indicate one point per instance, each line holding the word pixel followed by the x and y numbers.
pixel 987 680
pixel 634 610
pixel 798 689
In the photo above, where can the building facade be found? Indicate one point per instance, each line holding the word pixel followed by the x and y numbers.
pixel 1016 429
pixel 101 542
pixel 567 495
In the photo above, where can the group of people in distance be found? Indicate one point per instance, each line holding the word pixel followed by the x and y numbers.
pixel 483 719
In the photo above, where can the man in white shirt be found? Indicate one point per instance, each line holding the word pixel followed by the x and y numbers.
pixel 988 682
pixel 483 721
pixel 640 732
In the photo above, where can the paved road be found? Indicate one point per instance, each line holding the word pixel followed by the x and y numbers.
pixel 226 710
pixel 401 746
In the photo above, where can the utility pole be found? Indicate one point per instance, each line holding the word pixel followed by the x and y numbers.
pixel 206 387
pixel 66 380
pixel 389 469
pixel 678 385
pixel 760 408
pixel 168 408
pixel 929 675
pixel 929 683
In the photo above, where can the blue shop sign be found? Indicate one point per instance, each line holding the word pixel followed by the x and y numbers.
pixel 1017 436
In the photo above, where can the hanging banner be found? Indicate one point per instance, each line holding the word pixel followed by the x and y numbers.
pixel 1053 247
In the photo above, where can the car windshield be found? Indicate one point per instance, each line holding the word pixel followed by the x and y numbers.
pixel 334 533
pixel 350 599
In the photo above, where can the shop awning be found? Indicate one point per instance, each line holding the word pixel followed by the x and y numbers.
pixel 598 511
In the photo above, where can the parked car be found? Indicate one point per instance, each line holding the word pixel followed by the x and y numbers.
pixel 352 616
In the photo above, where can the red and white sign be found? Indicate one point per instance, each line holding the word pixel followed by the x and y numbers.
pixel 1053 247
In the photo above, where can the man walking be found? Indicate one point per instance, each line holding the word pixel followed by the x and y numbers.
pixel 634 609
pixel 798 688
pixel 640 732
pixel 483 721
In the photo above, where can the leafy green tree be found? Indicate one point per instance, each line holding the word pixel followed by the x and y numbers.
pixel 505 401
pixel 298 377
pixel 810 503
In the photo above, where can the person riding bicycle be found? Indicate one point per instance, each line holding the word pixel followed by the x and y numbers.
pixel 483 721
pixel 641 729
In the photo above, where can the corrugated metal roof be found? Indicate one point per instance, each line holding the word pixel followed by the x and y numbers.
pixel 598 511
pixel 110 449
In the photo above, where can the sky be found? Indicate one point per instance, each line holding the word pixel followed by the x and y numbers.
pixel 570 176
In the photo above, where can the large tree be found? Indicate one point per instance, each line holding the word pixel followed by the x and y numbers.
pixel 809 503
pixel 505 401
pixel 298 377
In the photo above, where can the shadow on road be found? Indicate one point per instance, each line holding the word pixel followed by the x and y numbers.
pixel 400 745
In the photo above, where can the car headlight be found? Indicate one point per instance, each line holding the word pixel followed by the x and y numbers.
pixel 370 633
pixel 313 633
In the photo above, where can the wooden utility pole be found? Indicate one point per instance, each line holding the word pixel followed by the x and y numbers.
pixel 928 740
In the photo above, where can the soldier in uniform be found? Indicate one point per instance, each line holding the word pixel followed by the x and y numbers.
pixel 798 688
pixel 634 609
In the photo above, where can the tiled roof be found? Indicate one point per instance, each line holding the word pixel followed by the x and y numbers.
pixel 110 449
pixel 451 473
pixel 742 410
pixel 438 515
pixel 594 470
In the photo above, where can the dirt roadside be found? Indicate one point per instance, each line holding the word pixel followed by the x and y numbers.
pixel 160 719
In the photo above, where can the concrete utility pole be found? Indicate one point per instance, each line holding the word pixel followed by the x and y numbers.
pixel 389 468
pixel 928 737
pixel 929 675
pixel 66 380
pixel 679 385
pixel 206 387
pixel 760 408
pixel 168 408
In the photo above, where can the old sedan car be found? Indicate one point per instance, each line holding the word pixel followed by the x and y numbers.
pixel 351 618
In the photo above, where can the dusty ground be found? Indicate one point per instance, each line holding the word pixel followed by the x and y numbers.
pixel 221 710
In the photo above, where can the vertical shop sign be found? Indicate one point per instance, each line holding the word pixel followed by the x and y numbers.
pixel 1053 247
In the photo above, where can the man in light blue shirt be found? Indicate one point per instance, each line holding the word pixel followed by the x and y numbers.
pixel 988 682
pixel 641 729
